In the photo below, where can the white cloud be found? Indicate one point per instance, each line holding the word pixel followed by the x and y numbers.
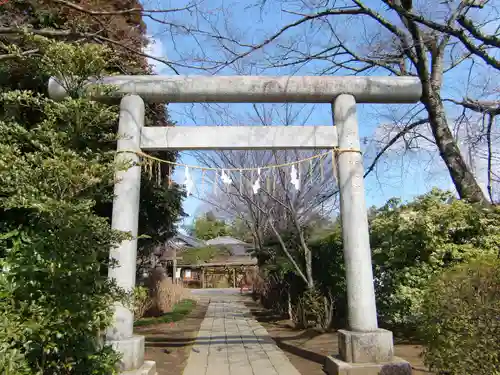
pixel 156 48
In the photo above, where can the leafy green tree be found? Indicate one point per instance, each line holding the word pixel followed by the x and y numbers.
pixel 55 297
pixel 111 24
pixel 204 254
pixel 240 230
pixel 56 168
pixel 208 226
pixel 412 242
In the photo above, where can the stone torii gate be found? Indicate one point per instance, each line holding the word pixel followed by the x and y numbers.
pixel 364 347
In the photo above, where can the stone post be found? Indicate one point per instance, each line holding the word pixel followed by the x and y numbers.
pixel 125 217
pixel 362 313
pixel 363 346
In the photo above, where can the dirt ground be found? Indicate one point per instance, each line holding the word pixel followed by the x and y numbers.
pixel 169 344
pixel 307 349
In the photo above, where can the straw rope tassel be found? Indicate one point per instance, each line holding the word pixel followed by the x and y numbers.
pixel 196 187
pixel 170 176
pixel 142 163
pixel 310 171
pixel 158 175
pixel 166 177
pixel 334 167
pixel 225 187
pixel 241 182
pixel 273 185
pixel 322 169
pixel 252 174
pixel 274 182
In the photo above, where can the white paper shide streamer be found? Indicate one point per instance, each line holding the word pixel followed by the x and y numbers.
pixel 188 181
pixel 294 176
pixel 256 184
pixel 225 178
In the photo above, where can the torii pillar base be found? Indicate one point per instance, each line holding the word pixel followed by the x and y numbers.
pixel 366 353
pixel 397 366
pixel 148 368
pixel 132 362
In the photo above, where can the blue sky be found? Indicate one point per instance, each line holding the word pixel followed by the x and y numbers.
pixel 396 176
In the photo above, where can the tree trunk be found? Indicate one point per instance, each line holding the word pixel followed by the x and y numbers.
pixel 460 173
pixel 328 307
pixel 430 71
pixel 307 252
pixel 287 253
pixel 309 271
pixel 290 308
pixel 308 261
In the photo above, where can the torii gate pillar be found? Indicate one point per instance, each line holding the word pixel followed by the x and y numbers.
pixel 363 347
pixel 125 217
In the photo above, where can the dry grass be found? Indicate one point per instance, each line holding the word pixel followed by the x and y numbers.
pixel 251 279
pixel 164 293
pixel 167 294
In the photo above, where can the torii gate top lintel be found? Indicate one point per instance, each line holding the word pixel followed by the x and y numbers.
pixel 256 89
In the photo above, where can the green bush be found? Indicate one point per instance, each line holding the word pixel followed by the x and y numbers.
pixel 461 319
pixel 329 270
pixel 142 302
pixel 12 359
pixel 55 297
pixel 412 242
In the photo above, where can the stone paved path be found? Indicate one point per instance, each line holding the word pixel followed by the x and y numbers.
pixel 231 342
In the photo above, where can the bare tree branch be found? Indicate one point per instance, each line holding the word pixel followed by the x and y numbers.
pixel 15 56
pixel 475 31
pixel 70 34
pixel 121 12
pixel 445 29
pixel 489 166
pixel 490 107
pixel 300 21
pixel 393 140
